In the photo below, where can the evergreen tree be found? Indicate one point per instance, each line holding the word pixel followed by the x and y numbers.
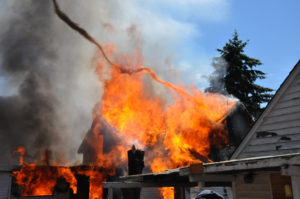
pixel 235 74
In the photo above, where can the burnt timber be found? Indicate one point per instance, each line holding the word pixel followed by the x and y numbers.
pixel 224 173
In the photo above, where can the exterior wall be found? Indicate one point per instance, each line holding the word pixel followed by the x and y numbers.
pixel 279 185
pixel 260 188
pixel 5 184
pixel 279 131
pixel 150 193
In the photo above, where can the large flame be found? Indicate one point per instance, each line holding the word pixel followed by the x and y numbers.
pixel 40 178
pixel 37 180
pixel 175 127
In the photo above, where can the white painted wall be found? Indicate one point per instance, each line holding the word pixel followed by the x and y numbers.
pixel 283 120
pixel 5 184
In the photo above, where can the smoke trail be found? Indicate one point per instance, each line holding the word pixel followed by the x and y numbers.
pixel 143 69
pixel 86 35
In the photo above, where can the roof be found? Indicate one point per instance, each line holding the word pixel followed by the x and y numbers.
pixel 273 142
pixel 256 163
pixel 104 128
pixel 214 174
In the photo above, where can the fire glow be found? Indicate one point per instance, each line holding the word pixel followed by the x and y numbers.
pixel 175 125
pixel 173 134
pixel 40 180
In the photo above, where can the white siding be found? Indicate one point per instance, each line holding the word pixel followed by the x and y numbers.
pixel 259 189
pixel 282 122
pixel 5 184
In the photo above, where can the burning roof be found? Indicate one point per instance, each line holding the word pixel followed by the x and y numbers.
pixel 176 125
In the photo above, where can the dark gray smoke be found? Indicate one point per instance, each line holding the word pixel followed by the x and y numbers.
pixel 47 87
pixel 28 117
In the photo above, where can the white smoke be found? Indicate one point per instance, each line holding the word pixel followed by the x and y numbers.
pixel 162 27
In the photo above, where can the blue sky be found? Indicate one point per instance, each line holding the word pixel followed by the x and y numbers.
pixel 194 29
pixel 272 28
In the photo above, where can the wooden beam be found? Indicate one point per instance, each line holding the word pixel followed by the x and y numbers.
pixel 294 172
pixel 252 163
pixel 163 173
pixel 296 186
pixel 125 185
pixel 290 170
pixel 135 178
pixel 211 178
pixel 217 184
pixel 110 193
pixel 196 168
pixel 179 193
pixel 234 189
pixel 184 171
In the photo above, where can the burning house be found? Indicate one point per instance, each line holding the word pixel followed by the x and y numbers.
pixel 265 165
pixel 237 124
pixel 175 125
pixel 165 136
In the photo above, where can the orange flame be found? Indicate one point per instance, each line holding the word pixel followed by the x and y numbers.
pixel 21 152
pixel 95 178
pixel 40 180
pixel 185 126
pixel 177 127
pixel 167 192
pixel 176 132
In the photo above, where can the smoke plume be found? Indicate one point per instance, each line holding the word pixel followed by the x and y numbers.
pixel 48 87
pixel 46 107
